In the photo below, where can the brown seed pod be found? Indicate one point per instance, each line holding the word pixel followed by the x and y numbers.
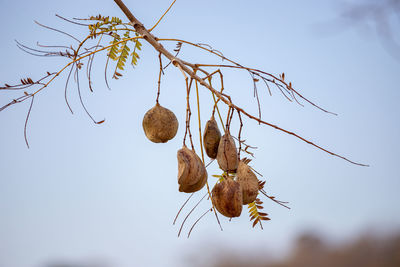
pixel 192 174
pixel 248 181
pixel 227 198
pixel 227 154
pixel 160 124
pixel 211 138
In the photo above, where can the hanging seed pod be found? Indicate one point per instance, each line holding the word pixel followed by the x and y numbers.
pixel 248 181
pixel 227 154
pixel 160 124
pixel 192 174
pixel 227 198
pixel 211 138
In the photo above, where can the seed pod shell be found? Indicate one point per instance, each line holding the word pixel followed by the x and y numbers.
pixel 227 154
pixel 211 138
pixel 192 174
pixel 227 198
pixel 248 181
pixel 160 124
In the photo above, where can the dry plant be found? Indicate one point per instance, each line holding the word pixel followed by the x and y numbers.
pixel 121 42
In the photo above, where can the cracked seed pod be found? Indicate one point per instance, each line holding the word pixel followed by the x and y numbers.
pixel 248 181
pixel 211 138
pixel 227 154
pixel 192 174
pixel 160 124
pixel 227 198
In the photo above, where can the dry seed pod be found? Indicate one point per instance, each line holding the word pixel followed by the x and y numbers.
pixel 227 198
pixel 196 187
pixel 211 138
pixel 192 174
pixel 227 154
pixel 248 181
pixel 160 124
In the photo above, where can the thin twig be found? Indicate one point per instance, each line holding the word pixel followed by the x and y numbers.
pixel 177 215
pixel 56 30
pixel 282 203
pixel 66 88
pixel 198 221
pixel 26 121
pixel 159 77
pixel 71 21
pixel 155 25
pixel 240 132
pixel 190 212
pixel 81 100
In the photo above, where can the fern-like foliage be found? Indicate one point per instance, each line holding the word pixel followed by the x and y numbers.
pixel 106 19
pixel 122 56
pixel 27 81
pixel 255 214
pixel 103 24
pixel 120 50
pixel 134 55
pixel 112 51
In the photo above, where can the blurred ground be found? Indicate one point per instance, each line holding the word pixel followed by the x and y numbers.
pixel 308 250
pixel 367 250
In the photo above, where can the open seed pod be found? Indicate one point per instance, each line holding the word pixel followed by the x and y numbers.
pixel 227 154
pixel 227 198
pixel 192 174
pixel 160 124
pixel 211 138
pixel 248 181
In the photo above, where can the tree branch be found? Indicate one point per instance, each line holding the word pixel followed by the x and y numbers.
pixel 153 41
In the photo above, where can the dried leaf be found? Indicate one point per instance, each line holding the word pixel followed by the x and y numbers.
pixel 255 222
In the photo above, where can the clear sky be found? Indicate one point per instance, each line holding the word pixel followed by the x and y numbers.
pixel 86 192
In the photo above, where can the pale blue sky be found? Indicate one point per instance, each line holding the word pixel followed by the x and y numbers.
pixel 85 192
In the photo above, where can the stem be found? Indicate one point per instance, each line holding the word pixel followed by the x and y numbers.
pixel 199 121
pixel 155 25
pixel 159 77
pixel 202 157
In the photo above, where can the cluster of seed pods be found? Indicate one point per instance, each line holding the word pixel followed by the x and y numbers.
pixel 238 185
